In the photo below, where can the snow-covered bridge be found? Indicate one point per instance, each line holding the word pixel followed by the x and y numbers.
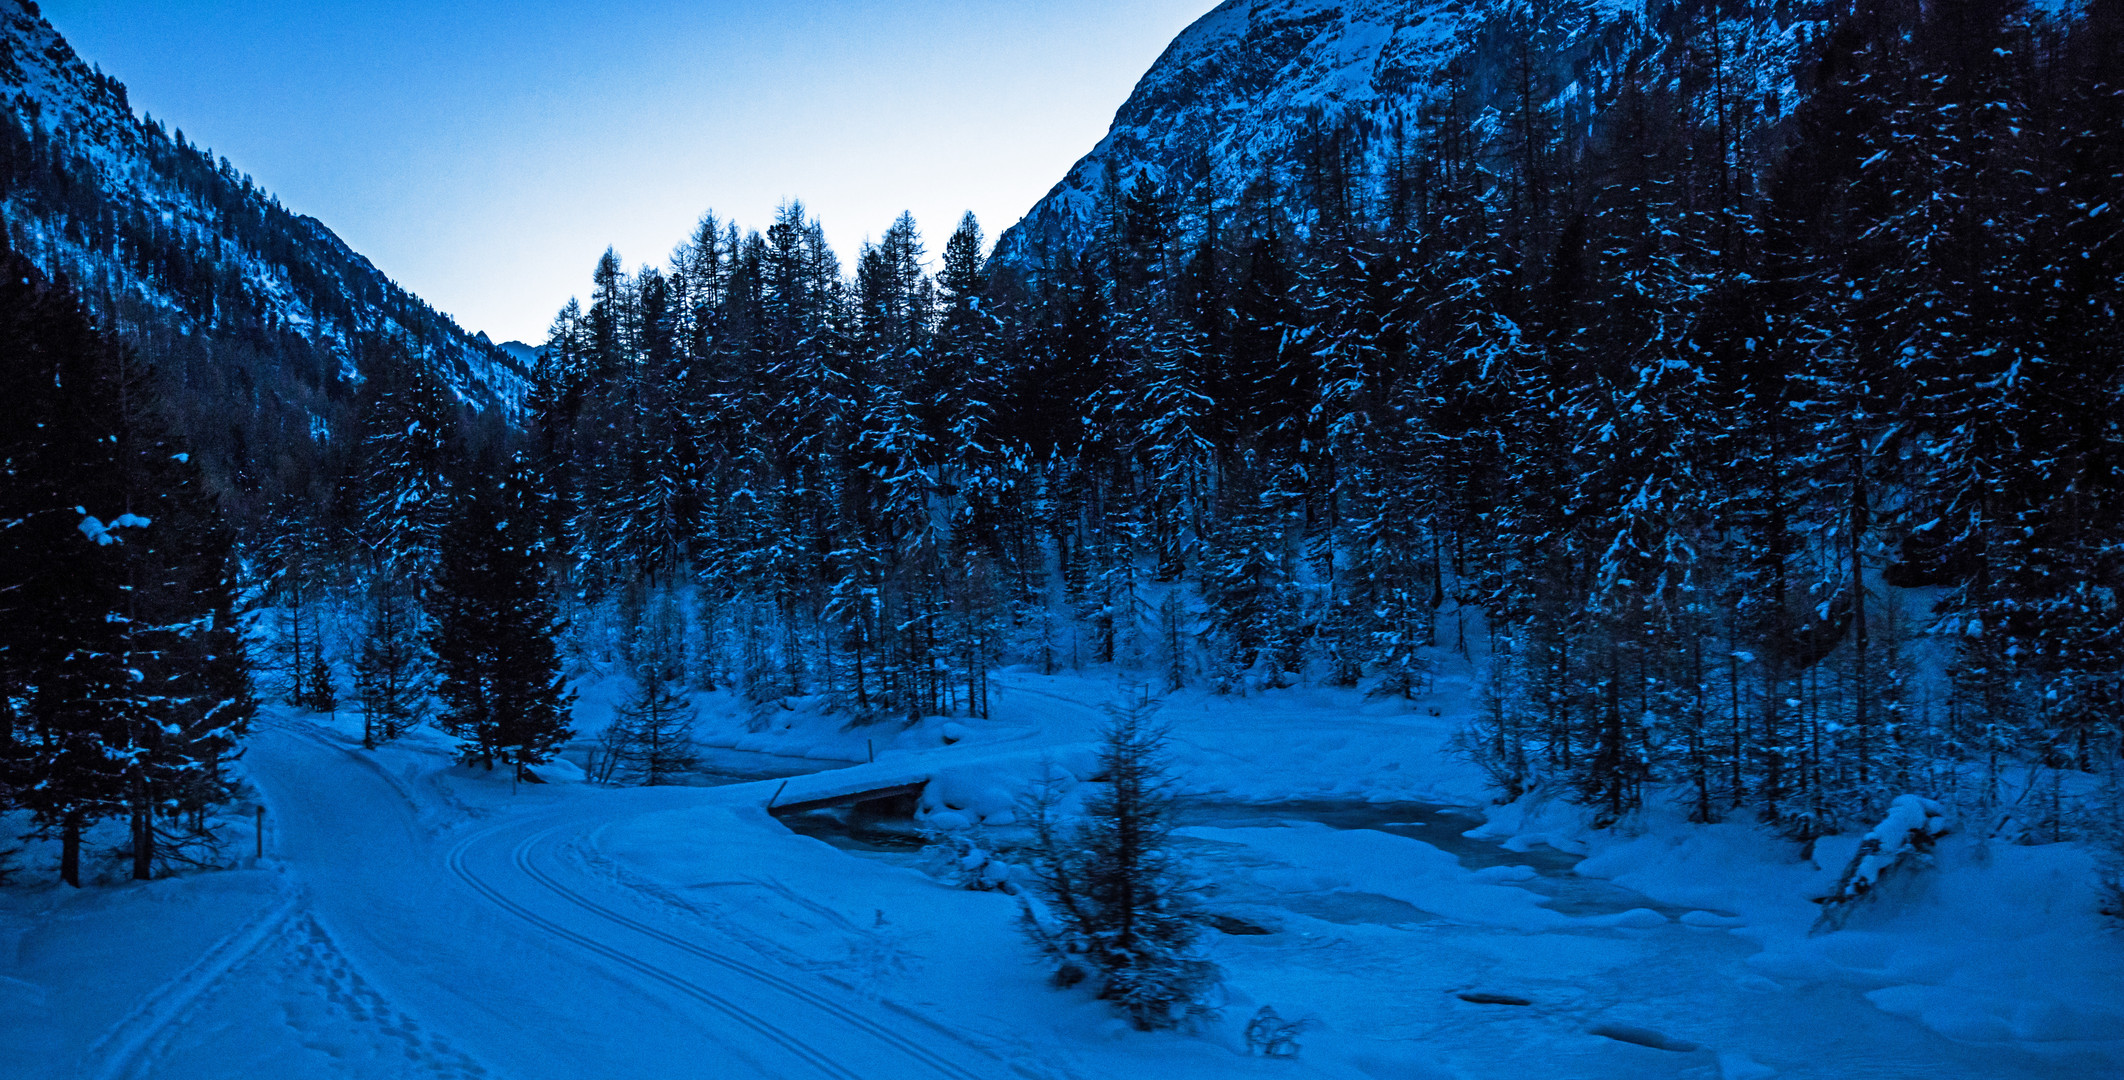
pixel 847 787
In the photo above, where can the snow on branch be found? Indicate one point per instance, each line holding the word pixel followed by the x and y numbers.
pixel 105 535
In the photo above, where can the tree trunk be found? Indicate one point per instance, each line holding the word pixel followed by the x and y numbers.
pixel 70 848
pixel 143 833
pixel 1861 520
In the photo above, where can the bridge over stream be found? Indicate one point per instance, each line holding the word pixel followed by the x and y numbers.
pixel 818 791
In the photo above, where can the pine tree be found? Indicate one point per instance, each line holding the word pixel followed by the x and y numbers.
pixel 1251 596
pixel 63 647
pixel 499 677
pixel 121 644
pixel 392 667
pixel 405 459
pixel 185 634
pixel 651 740
pixel 319 690
pixel 654 743
pixel 408 446
pixel 1391 586
pixel 299 565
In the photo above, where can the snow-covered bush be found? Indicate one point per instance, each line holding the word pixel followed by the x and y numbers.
pixel 961 857
pixel 1113 897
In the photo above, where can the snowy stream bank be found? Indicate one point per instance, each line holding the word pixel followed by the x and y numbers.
pixel 1233 875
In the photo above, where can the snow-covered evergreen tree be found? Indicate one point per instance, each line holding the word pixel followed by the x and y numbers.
pixel 492 629
pixel 122 655
pixel 652 739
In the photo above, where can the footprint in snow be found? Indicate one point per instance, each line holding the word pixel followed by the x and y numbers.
pixel 1482 997
pixel 1642 1037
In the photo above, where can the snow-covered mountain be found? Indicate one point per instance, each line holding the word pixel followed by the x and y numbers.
pixel 1232 94
pixel 1241 100
pixel 172 244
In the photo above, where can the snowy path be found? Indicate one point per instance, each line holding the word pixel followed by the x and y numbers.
pixel 864 1046
pixel 496 953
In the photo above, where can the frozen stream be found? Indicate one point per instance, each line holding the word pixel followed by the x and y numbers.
pixel 1242 879
pixel 1616 984
pixel 1441 827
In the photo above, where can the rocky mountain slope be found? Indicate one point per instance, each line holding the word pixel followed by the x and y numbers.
pixel 1248 101
pixel 263 322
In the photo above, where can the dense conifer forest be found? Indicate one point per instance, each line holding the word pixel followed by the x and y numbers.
pixel 260 324
pixel 1763 456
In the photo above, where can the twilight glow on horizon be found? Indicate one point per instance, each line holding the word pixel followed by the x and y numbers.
pixel 484 153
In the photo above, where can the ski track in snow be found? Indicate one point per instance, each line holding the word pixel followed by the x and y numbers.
pixel 332 1008
pixel 430 924
pixel 122 1050
pixel 825 1063
pixel 799 1047
pixel 908 1047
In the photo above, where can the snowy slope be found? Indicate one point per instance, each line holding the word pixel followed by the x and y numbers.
pixel 1232 105
pixel 417 918
pixel 525 355
pixel 115 202
pixel 1235 90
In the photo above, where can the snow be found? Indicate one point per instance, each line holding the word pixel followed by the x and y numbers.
pixel 413 917
pixel 104 535
pixel 1239 90
pixel 1914 823
pixel 1392 866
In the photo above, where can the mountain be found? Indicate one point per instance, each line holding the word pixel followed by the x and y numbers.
pixel 1261 98
pixel 525 354
pixel 261 323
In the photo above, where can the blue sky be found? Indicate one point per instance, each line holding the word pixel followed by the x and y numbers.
pixel 484 153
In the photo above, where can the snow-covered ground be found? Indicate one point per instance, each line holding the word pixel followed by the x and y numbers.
pixel 412 918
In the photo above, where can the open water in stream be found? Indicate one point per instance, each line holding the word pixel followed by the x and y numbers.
pixel 1238 878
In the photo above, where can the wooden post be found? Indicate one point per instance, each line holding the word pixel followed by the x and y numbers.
pixel 261 833
pixel 872 746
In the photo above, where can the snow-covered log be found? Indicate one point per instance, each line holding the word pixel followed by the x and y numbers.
pixel 1901 843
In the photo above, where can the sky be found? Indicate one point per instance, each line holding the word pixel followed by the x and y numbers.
pixel 483 153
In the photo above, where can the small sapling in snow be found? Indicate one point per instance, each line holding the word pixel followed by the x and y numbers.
pixel 1114 905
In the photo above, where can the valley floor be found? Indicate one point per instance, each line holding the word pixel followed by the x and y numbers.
pixel 412 918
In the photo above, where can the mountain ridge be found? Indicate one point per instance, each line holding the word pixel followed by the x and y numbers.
pixel 1246 97
pixel 259 309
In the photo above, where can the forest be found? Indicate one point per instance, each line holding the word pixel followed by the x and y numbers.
pixel 1769 459
pixel 1762 455
pixel 257 322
